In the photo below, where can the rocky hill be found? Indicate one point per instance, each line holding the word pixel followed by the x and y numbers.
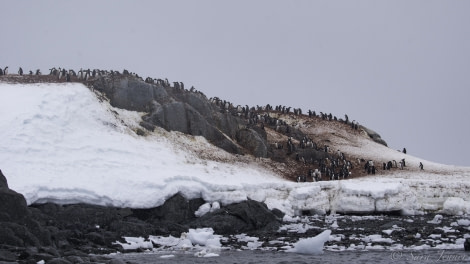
pixel 288 141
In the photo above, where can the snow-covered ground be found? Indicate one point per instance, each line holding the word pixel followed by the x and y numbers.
pixel 62 143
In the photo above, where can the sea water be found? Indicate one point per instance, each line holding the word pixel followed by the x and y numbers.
pixel 278 257
pixel 443 247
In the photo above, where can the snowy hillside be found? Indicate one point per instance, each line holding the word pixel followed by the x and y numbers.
pixel 64 143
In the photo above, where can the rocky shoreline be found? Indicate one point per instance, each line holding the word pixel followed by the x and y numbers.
pixel 82 233
pixel 70 233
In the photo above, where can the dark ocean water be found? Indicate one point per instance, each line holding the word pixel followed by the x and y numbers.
pixel 436 243
pixel 277 257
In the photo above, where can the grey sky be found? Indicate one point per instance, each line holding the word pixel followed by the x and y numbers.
pixel 401 68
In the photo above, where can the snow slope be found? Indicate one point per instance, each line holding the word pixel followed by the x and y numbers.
pixel 63 143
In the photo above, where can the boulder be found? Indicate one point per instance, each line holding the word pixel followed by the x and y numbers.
pixel 244 217
pixel 253 142
pixel 128 92
pixel 13 206
pixel 374 135
pixel 14 234
pixel 177 209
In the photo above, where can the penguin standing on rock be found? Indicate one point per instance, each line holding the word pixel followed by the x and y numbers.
pixel 5 71
pixel 20 71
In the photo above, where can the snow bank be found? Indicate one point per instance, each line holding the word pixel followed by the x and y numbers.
pixel 59 143
pixel 456 206
pixel 206 208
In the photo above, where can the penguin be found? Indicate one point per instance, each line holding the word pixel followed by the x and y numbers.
pixel 20 71
pixel 5 71
pixel 60 74
pixel 80 74
pixel 1 71
pixel 53 71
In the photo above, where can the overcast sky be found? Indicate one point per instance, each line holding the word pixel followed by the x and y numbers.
pixel 401 68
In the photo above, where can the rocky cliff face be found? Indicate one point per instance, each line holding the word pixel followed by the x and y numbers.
pixel 177 109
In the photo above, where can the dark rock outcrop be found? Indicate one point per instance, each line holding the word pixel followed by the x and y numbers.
pixel 17 226
pixel 173 109
pixel 374 136
pixel 247 216
pixel 12 206
pixel 255 142
pixel 3 181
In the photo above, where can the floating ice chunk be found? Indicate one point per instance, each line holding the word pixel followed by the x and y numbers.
pixel 313 245
pixel 184 242
pixel 204 237
pixel 437 220
pixel 334 225
pixel 463 222
pixel 288 218
pixel 377 239
pixel 168 241
pixel 338 237
pixel 133 243
pixel 297 228
pixel 252 242
pixel 167 256
pixel 205 254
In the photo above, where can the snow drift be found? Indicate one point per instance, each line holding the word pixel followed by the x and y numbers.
pixel 64 143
